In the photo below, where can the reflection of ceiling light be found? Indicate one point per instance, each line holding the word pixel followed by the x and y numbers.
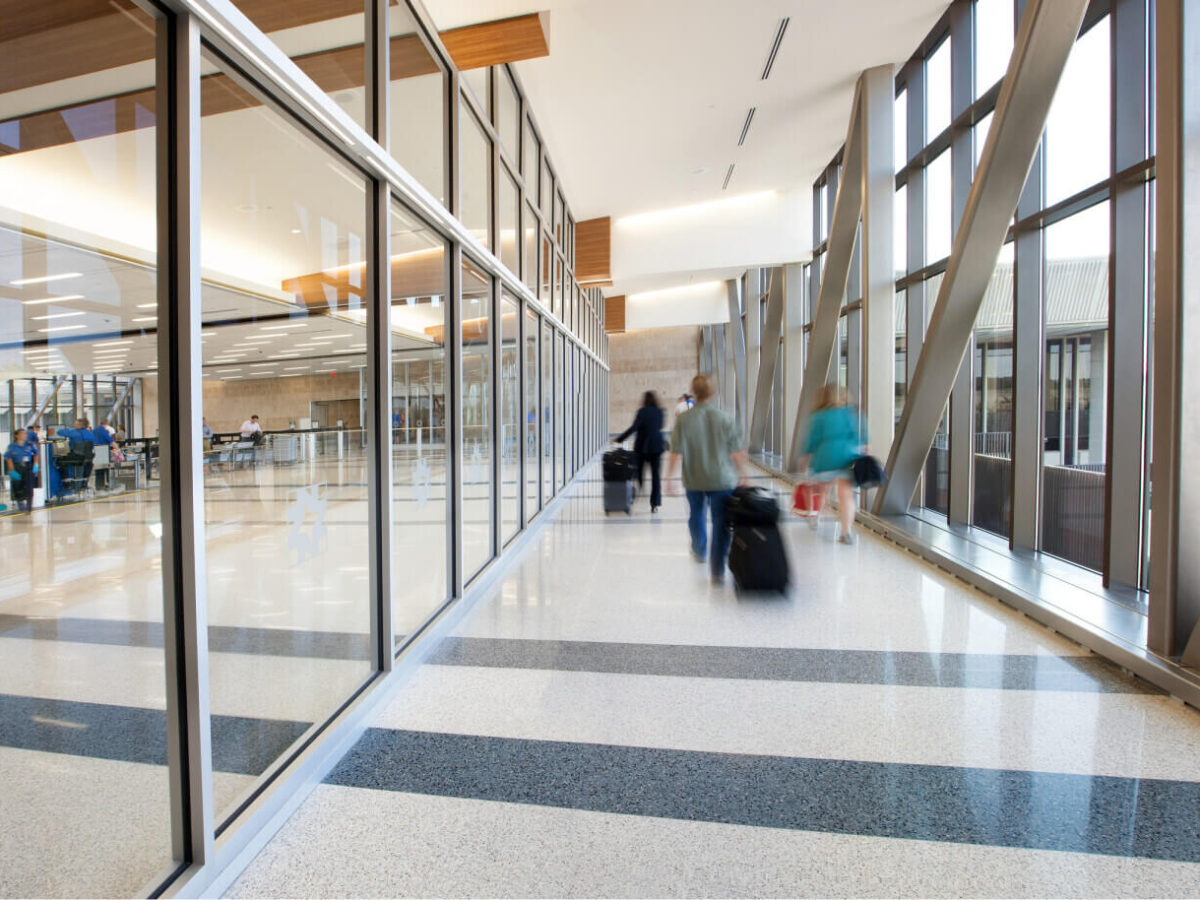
pixel 231 378
pixel 57 316
pixel 295 231
pixel 294 368
pixel 61 299
pixel 45 278
pixel 284 356
pixel 61 328
pixel 38 352
pixel 146 305
pixel 282 327
pixel 261 340
pixel 145 319
pixel 292 375
pixel 111 343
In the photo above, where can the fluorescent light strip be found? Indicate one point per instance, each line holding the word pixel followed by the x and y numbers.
pixel 57 316
pixel 285 356
pixel 282 327
pixel 146 305
pixel 44 279
pixel 293 368
pixel 61 328
pixel 292 375
pixel 43 300
pixel 111 343
pixel 145 319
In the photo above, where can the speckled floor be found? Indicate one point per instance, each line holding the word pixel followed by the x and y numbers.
pixel 610 723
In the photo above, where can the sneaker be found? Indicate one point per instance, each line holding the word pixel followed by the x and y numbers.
pixel 846 539
pixel 718 579
pixel 698 557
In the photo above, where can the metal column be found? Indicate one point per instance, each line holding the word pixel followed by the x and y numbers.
pixel 878 316
pixel 1174 562
pixel 843 226
pixel 739 351
pixel 181 469
pixel 768 359
pixel 1044 41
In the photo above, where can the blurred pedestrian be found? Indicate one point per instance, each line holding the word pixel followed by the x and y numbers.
pixel 836 438
pixel 20 465
pixel 708 442
pixel 648 445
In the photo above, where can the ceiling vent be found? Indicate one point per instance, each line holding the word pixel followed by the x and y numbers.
pixel 775 48
pixel 746 127
pixel 728 175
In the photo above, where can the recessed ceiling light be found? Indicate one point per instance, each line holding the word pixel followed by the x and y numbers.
pixel 38 352
pixel 61 328
pixel 111 343
pixel 291 375
pixel 145 319
pixel 284 356
pixel 147 305
pixel 57 316
pixel 61 299
pixel 294 368
pixel 43 279
pixel 282 327
pixel 295 231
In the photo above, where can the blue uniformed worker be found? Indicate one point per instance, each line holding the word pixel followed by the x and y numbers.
pixel 20 465
pixel 81 433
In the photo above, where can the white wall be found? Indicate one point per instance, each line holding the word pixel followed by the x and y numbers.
pixel 705 303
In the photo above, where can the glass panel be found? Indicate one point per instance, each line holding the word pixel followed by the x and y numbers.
pixel 900 232
pixel 1075 394
pixel 546 193
pixel 476 173
pixel 476 81
pixel 417 104
pixel 558 286
pixel 477 418
pixel 545 290
pixel 1077 137
pixel 937 209
pixel 559 214
pixel 533 378
pixel 560 371
pixel 548 418
pixel 508 114
pixel 531 246
pixel 331 49
pixel 993 426
pixel 510 417
pixel 510 208
pixel 979 136
pixel 900 134
pixel 284 220
pixel 901 353
pixel 420 487
pixel 86 808
pixel 529 167
pixel 993 42
pixel 937 91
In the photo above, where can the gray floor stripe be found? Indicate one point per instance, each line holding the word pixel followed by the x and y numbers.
pixel 221 638
pixel 241 745
pixel 1090 814
pixel 950 670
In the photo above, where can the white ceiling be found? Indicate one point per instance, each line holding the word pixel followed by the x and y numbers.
pixel 641 103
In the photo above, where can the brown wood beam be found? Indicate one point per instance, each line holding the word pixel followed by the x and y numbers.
pixel 593 252
pixel 614 314
pixel 499 42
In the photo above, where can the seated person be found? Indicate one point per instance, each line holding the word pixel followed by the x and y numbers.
pixel 251 430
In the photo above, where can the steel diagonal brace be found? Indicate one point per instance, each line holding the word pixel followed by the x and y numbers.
pixel 1044 41
pixel 847 209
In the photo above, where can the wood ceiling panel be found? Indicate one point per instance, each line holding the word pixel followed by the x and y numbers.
pixel 614 314
pixel 502 41
pixel 593 252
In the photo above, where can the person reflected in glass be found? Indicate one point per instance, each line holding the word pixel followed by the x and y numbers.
pixel 648 445
pixel 708 443
pixel 251 430
pixel 20 466
pixel 836 438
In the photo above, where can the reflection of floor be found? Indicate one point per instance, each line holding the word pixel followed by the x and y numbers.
pixel 82 683
pixel 882 731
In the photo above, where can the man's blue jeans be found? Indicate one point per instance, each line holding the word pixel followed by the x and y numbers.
pixel 715 501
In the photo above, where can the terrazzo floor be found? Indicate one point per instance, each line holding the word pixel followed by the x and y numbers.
pixel 610 723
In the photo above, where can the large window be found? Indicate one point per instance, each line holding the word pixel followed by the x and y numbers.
pixel 420 487
pixel 477 431
pixel 475 151
pixel 285 499
pixel 510 416
pixel 85 720
pixel 532 415
pixel 417 104
pixel 548 417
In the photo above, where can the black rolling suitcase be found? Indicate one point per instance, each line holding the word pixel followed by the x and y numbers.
pixel 619 468
pixel 757 559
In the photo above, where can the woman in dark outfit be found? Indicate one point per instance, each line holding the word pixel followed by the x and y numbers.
pixel 648 444
pixel 20 465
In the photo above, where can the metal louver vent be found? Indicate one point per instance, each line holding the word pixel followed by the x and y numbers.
pixel 746 127
pixel 728 175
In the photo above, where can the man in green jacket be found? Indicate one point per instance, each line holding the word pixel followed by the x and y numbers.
pixel 709 443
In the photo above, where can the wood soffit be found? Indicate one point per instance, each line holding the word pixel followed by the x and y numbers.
pixel 68 38
pixel 593 252
pixel 614 314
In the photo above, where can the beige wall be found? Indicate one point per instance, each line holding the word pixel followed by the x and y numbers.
pixel 276 401
pixel 663 360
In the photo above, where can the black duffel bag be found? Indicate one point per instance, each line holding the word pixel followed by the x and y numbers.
pixel 619 465
pixel 751 506
pixel 868 472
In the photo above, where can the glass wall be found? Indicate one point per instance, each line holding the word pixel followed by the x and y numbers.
pixel 83 718
pixel 420 478
pixel 510 417
pixel 297 523
pixel 477 431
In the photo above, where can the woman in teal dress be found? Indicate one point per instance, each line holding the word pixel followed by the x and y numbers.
pixel 836 438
